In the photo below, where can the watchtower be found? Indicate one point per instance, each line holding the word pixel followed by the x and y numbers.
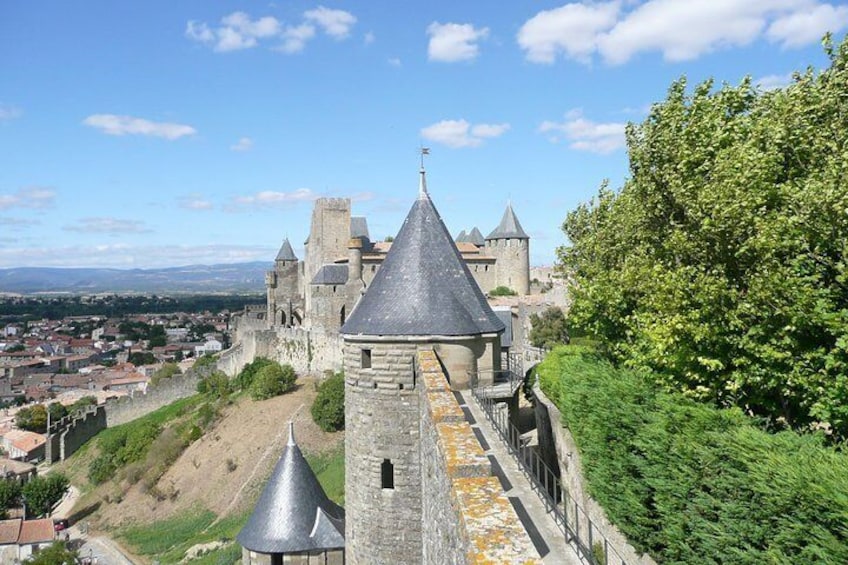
pixel 422 296
pixel 282 286
pixel 509 244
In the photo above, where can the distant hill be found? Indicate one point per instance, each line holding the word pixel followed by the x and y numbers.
pixel 233 277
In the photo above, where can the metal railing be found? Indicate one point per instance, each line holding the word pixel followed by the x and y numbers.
pixel 579 530
pixel 495 381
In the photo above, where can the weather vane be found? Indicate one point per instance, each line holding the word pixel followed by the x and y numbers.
pixel 424 151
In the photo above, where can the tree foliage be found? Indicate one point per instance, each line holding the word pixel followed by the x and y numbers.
pixel 721 263
pixel 689 483
pixel 166 371
pixel 328 409
pixel 32 418
pixel 549 328
pixel 10 495
pixel 502 291
pixel 272 380
pixel 42 492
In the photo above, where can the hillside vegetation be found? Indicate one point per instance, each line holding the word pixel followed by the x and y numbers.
pixel 689 483
pixel 190 473
pixel 720 265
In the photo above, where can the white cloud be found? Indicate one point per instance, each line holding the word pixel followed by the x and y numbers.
pixel 194 202
pixel 460 133
pixel 243 144
pixel 8 112
pixel 112 124
pixel 37 197
pixel 803 27
pixel 237 31
pixel 616 31
pixel 107 225
pixel 395 62
pixel 451 42
pixel 271 198
pixel 772 82
pixel 585 135
pixel 335 23
pixel 369 38
pixel 571 30
pixel 14 222
pixel 295 38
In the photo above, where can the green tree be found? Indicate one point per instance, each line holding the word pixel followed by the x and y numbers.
pixel 328 410
pixel 166 371
pixel 82 404
pixel 502 291
pixel 244 379
pixel 57 553
pixel 272 380
pixel 42 492
pixel 142 358
pixel 57 411
pixel 720 264
pixel 10 495
pixel 156 336
pixel 549 328
pixel 32 418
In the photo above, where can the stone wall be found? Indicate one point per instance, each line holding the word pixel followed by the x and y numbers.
pixel 80 430
pixel 513 263
pixel 308 351
pixel 466 516
pixel 556 441
pixel 122 410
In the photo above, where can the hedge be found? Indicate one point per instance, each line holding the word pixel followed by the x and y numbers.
pixel 689 483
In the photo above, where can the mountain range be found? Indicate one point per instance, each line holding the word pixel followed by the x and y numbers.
pixel 233 277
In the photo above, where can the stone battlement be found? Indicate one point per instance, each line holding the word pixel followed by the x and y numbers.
pixel 467 517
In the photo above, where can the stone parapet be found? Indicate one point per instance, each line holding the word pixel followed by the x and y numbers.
pixel 467 518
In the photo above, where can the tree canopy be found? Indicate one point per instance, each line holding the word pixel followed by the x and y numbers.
pixel 721 263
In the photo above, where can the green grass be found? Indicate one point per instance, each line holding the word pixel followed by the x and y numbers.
pixel 330 469
pixel 168 540
pixel 225 556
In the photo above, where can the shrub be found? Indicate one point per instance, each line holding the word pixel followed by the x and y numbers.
pixel 328 408
pixel 502 291
pixel 548 329
pixel 244 379
pixel 689 483
pixel 101 469
pixel 217 385
pixel 272 380
pixel 166 371
pixel 10 495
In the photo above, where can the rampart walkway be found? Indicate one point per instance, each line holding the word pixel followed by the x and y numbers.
pixel 543 531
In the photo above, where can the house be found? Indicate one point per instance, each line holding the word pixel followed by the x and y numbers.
pixel 17 471
pixel 24 445
pixel 21 538
pixel 209 347
pixel 132 382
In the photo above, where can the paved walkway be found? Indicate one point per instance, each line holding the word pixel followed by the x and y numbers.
pixel 545 534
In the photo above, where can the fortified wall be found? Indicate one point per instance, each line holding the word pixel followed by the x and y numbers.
pixel 467 518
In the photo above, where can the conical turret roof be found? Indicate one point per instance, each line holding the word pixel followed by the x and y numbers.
pixel 423 286
pixel 286 252
pixel 509 227
pixel 475 237
pixel 293 514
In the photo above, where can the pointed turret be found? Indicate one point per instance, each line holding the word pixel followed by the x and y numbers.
pixel 286 252
pixel 423 286
pixel 509 228
pixel 475 237
pixel 461 237
pixel 293 514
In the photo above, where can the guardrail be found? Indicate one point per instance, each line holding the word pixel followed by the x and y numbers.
pixel 579 530
pixel 497 380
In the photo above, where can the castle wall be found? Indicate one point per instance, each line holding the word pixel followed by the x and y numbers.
pixel 327 303
pixel 464 506
pixel 306 350
pixel 122 410
pixel 512 268
pixel 80 430
pixel 484 272
pixel 382 525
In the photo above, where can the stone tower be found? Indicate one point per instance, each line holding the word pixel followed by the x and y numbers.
pixel 328 238
pixel 282 286
pixel 510 245
pixel 423 296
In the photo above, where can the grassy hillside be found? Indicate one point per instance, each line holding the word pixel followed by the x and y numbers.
pixel 196 479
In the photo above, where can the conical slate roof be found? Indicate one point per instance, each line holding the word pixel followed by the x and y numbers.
pixel 293 514
pixel 461 237
pixel 423 286
pixel 475 237
pixel 509 227
pixel 286 252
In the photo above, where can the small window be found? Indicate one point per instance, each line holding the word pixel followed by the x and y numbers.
pixel 387 474
pixel 366 358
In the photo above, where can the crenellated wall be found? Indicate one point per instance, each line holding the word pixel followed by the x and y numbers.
pixel 466 518
pixel 122 410
pixel 306 350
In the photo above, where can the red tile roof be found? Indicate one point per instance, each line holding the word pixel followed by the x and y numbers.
pixel 9 530
pixel 36 531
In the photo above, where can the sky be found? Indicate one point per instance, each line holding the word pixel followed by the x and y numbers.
pixel 160 133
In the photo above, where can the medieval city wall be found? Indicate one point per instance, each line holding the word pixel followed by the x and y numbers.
pixel 464 506
pixel 122 410
pixel 513 263
pixel 556 443
pixel 306 350
pixel 80 430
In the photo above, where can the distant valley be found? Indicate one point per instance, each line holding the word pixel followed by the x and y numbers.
pixel 233 277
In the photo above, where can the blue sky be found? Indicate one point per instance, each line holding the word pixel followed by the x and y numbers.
pixel 153 133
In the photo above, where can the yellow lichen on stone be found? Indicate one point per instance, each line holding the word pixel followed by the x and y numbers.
pixel 494 530
pixel 443 407
pixel 462 452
